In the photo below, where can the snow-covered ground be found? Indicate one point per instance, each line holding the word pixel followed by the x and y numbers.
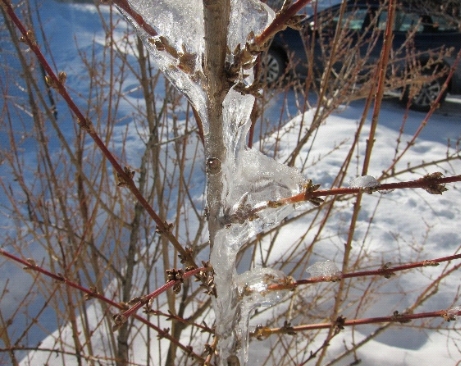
pixel 402 220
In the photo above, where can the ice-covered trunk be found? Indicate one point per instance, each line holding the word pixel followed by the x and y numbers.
pixel 191 42
pixel 216 21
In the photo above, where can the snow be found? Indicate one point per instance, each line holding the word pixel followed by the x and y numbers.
pixel 258 178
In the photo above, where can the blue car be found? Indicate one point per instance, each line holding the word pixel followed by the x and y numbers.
pixel 424 49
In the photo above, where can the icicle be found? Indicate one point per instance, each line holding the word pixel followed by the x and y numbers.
pixel 253 293
pixel 178 46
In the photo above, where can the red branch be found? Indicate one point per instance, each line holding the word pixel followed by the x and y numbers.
pixel 385 271
pixel 164 333
pixel 123 4
pixel 425 182
pixel 341 322
pixel 145 299
pixel 280 21
pixel 433 183
pixel 123 173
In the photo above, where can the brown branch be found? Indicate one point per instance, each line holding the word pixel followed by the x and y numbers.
pixel 433 183
pixel 56 351
pixel 424 122
pixel 144 300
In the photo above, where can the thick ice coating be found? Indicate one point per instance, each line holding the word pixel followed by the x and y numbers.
pixel 179 44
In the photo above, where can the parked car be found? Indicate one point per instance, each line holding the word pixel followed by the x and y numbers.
pixel 424 44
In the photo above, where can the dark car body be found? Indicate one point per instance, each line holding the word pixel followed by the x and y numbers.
pixel 419 38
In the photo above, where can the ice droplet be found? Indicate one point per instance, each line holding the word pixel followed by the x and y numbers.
pixel 366 181
pixel 454 312
pixel 323 269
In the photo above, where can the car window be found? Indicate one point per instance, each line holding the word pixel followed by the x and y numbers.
pixel 404 22
pixel 444 24
pixel 353 19
pixel 420 23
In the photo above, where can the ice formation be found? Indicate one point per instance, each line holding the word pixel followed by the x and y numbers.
pixel 366 182
pixel 454 312
pixel 323 269
pixel 249 177
pixel 253 292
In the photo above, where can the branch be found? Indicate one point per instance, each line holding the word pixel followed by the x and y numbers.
pixel 341 322
pixel 179 277
pixel 285 17
pixel 124 175
pixel 386 270
pixel 433 183
pixel 29 264
pixel 123 4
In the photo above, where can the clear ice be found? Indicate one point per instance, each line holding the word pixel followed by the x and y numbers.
pixel 249 177
pixel 323 269
pixel 454 312
pixel 366 181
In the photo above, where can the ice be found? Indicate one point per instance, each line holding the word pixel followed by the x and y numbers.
pixel 178 47
pixel 253 178
pixel 253 287
pixel 454 312
pixel 323 269
pixel 366 181
pixel 250 179
pixel 250 16
pixel 253 293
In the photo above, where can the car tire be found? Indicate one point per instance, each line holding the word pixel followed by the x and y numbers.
pixel 273 66
pixel 427 95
